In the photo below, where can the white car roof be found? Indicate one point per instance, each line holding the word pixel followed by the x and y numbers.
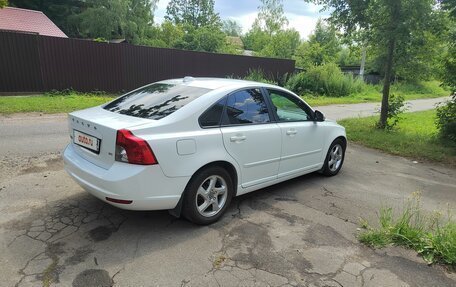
pixel 215 83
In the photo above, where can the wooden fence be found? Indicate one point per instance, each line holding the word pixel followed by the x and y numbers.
pixel 33 63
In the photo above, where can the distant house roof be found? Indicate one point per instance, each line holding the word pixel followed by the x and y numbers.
pixel 28 21
pixel 236 41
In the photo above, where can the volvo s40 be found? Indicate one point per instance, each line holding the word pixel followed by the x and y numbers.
pixel 190 145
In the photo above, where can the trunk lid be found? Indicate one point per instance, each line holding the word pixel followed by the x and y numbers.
pixel 102 125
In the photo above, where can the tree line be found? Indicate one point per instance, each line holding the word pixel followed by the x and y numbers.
pixel 419 32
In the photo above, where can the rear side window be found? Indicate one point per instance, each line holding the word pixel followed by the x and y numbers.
pixel 155 101
pixel 213 116
pixel 246 107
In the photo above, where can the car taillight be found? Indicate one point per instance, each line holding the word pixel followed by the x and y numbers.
pixel 132 149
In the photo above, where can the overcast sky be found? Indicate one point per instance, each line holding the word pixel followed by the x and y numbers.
pixel 301 15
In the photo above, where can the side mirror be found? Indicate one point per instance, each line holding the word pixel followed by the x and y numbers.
pixel 318 116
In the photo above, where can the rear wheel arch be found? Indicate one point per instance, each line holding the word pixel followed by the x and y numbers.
pixel 223 164
pixel 227 166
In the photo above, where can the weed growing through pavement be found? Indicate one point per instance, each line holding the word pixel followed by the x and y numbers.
pixel 433 236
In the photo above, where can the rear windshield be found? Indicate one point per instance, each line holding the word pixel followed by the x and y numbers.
pixel 155 101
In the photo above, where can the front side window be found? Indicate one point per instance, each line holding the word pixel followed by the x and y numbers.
pixel 155 101
pixel 289 108
pixel 246 107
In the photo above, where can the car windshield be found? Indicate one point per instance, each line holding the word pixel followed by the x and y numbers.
pixel 155 101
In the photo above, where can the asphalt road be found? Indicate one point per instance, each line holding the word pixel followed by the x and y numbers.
pixel 298 233
pixel 343 111
pixel 31 135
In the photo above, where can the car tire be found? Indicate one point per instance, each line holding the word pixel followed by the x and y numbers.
pixel 334 158
pixel 208 195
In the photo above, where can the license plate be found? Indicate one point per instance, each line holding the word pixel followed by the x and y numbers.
pixel 87 141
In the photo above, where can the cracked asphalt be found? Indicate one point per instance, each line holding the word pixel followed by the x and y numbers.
pixel 298 233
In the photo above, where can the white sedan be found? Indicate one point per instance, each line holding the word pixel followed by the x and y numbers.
pixel 189 145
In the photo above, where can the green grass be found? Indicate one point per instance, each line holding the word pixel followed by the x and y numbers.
pixel 51 103
pixel 433 237
pixel 415 136
pixel 63 102
pixel 422 90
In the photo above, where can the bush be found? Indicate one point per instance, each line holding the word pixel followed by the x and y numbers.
pixel 325 80
pixel 258 76
pixel 446 119
pixel 396 106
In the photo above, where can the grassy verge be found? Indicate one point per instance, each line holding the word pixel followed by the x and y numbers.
pixel 433 237
pixel 51 103
pixel 69 101
pixel 429 89
pixel 415 136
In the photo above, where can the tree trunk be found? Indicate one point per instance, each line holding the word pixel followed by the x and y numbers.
pixel 387 84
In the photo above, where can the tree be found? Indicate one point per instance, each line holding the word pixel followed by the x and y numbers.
pixel 281 45
pixel 349 55
pixel 255 39
pixel 449 62
pixel 420 57
pixel 450 6
pixel 385 24
pixel 166 35
pixel 232 28
pixel 322 47
pixel 310 54
pixel 196 13
pixel 171 34
pixel 271 17
pixel 268 35
pixel 201 26
pixel 446 114
pixel 207 38
pixel 129 19
pixel 3 3
pixel 326 36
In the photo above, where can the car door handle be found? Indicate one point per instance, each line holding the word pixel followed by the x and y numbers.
pixel 238 138
pixel 292 132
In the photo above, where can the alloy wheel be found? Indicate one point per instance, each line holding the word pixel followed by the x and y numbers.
pixel 211 196
pixel 335 157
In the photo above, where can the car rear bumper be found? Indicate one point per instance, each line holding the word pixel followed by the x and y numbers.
pixel 145 185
